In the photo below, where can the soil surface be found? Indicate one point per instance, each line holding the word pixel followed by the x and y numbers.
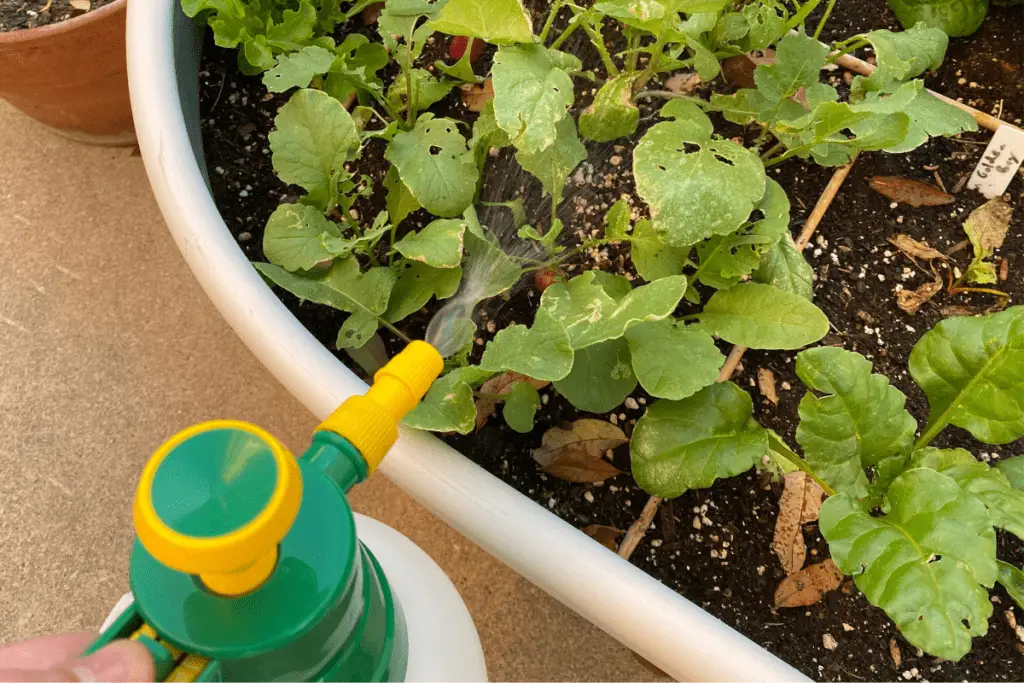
pixel 714 546
pixel 21 14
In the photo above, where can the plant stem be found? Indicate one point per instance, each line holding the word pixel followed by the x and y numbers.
pixel 569 30
pixel 550 21
pixel 775 148
pixel 652 64
pixel 598 40
pixel 669 95
pixel 804 11
pixel 631 47
pixel 824 17
pixel 796 461
pixel 845 50
pixel 639 527
pixel 788 154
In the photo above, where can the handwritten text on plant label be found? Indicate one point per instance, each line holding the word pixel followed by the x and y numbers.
pixel 999 163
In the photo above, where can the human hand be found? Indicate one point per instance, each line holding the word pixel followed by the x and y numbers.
pixel 59 658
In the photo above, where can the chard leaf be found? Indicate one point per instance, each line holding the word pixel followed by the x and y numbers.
pixel 688 444
pixel 541 352
pixel 521 405
pixel 297 69
pixel 726 259
pixel 673 361
pixel 496 21
pixel 490 269
pixel 448 406
pixel 652 257
pixel 1005 504
pixel 1012 579
pixel 1013 470
pixel 696 187
pixel 972 371
pixel 860 421
pixel 314 138
pixel 601 377
pixel 342 287
pixel 434 163
pixel 553 165
pixel 532 93
pixel 922 562
pixel 783 266
pixel 293 238
pixel 613 114
pixel 760 316
pixel 591 315
pixel 438 245
pixel 417 284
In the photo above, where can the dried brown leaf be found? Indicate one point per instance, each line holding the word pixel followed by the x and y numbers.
pixel 497 386
pixel 914 249
pixel 957 311
pixel 578 467
pixel 808 585
pixel 1004 269
pixel 81 5
pixel 988 224
pixel 911 300
pixel 684 82
pixel 766 385
pixel 605 535
pixel 799 505
pixel 909 191
pixel 894 652
pixel 476 96
pixel 587 436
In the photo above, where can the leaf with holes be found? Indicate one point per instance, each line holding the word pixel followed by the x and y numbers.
pixel 1005 504
pixel 591 315
pixel 652 257
pixel 926 562
pixel 586 437
pixel 496 21
pixel 725 260
pixel 689 444
pixel 860 420
pixel 293 238
pixel 448 406
pixel 532 93
pixel 673 361
pixel 972 371
pixel 417 284
pixel 601 377
pixel 314 137
pixel 613 114
pixel 435 164
pixel 521 404
pixel 763 317
pixel 695 186
pixel 438 245
pixel 297 69
pixel 542 351
pixel 784 267
pixel 553 165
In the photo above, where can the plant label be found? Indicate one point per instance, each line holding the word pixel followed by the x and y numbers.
pixel 999 163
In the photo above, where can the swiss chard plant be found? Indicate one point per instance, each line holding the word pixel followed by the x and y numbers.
pixel 708 235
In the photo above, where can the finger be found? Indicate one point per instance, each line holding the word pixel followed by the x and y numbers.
pixel 45 652
pixel 122 660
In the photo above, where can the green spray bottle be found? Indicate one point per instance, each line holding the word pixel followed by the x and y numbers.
pixel 247 565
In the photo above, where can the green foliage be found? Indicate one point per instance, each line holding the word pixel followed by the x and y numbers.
pixel 314 137
pixel 926 562
pixel 601 377
pixel 532 94
pixel 693 195
pixel 438 245
pixel 950 18
pixel 521 405
pixel 613 114
pixel 435 164
pixel 417 284
pixel 653 258
pixel 493 272
pixel 297 69
pixel 428 91
pixel 972 371
pixel 294 237
pixel 1012 579
pixel 673 361
pixel 783 266
pixel 859 422
pixel 553 164
pixel 1013 470
pixel 689 444
pixel 542 351
pixel 760 316
pixel 448 406
pixel 496 21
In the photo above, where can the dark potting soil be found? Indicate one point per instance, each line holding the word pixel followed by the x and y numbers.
pixel 22 14
pixel 714 546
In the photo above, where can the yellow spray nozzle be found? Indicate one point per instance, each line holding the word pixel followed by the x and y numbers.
pixel 370 422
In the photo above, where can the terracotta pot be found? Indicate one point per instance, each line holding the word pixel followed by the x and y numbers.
pixel 72 75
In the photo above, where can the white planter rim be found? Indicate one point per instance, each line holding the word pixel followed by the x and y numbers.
pixel 619 598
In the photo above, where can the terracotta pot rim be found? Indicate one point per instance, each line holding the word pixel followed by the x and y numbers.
pixel 52 30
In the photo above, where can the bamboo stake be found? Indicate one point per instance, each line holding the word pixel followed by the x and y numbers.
pixel 639 528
